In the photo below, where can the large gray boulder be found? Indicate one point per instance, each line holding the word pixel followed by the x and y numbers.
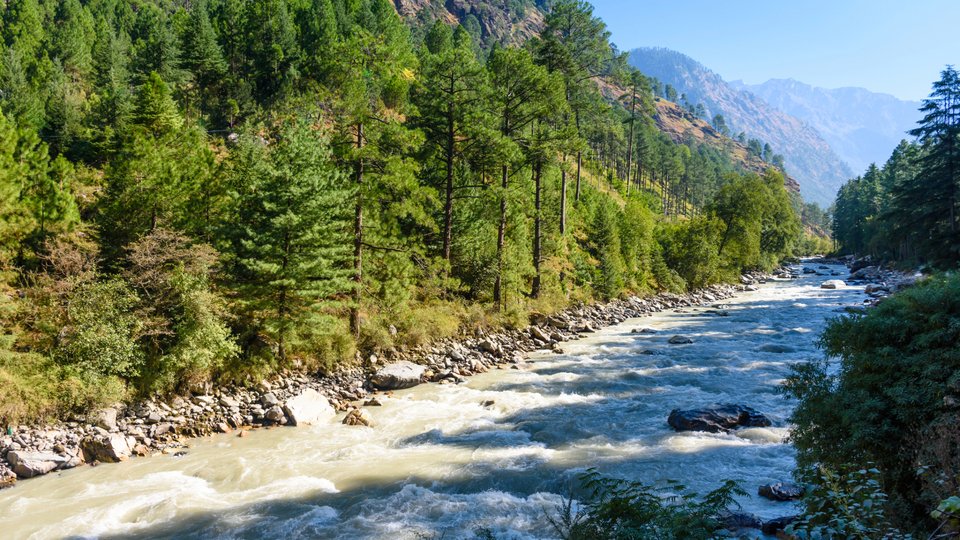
pixel 106 418
pixel 307 408
pixel 111 448
pixel 30 464
pixel 833 284
pixel 397 376
pixel 716 418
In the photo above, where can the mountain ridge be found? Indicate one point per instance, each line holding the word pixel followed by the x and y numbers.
pixel 861 126
pixel 808 156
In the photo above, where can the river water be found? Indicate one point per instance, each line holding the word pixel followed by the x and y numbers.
pixel 441 463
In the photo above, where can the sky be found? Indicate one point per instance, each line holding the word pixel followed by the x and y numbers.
pixel 894 47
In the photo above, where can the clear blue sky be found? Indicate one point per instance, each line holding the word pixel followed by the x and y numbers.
pixel 895 47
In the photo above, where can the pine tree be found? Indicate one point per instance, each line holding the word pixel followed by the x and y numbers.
pixel 155 109
pixel 202 55
pixel 522 93
pixel 290 234
pixel 929 203
pixel 450 113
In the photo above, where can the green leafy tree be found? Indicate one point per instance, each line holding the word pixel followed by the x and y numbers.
pixel 290 235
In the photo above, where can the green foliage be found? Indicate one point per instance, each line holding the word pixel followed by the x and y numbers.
pixel 850 505
pixel 907 209
pixel 289 242
pixel 213 189
pixel 897 363
pixel 690 249
pixel 620 509
pixel 102 330
pixel 185 336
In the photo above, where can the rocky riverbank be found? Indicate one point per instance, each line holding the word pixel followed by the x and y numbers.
pixel 164 427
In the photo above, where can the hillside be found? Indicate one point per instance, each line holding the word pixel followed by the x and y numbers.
pixel 515 22
pixel 681 126
pixel 861 126
pixel 808 156
pixel 507 22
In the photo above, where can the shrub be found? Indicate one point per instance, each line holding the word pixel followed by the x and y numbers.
pixel 622 509
pixel 897 363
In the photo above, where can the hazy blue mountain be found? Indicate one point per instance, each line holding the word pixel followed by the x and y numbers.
pixel 808 156
pixel 862 126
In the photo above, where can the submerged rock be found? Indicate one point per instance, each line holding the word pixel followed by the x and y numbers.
pixel 781 491
pixel 680 340
pixel 716 418
pixel 309 407
pixel 739 520
pixel 397 376
pixel 358 417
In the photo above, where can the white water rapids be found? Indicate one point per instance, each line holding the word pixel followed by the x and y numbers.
pixel 440 463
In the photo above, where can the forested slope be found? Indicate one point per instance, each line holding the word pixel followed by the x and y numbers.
pixel 223 188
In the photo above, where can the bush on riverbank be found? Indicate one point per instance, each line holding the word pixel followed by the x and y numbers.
pixel 892 398
pixel 619 509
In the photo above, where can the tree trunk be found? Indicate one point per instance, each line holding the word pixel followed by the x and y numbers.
pixel 448 203
pixel 537 170
pixel 501 240
pixel 358 243
pixel 633 114
pixel 576 196
pixel 563 196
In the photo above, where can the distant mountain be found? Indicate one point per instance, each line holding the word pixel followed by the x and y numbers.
pixel 862 126
pixel 808 157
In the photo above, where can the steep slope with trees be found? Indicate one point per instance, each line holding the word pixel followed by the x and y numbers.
pixel 224 189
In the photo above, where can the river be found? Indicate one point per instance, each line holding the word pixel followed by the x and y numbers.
pixel 442 460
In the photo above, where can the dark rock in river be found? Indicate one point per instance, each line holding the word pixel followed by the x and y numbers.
pixel 781 491
pixel 717 418
pixel 396 376
pixel 773 526
pixel 680 340
pixel 739 520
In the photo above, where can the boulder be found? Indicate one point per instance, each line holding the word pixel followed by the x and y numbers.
pixel 7 477
pixel 833 284
pixel 739 520
pixel 867 272
pixel 781 491
pixel 716 418
pixel 488 346
pixel 106 418
pixel 397 376
pixel 772 526
pixel 307 408
pixel 644 331
pixel 111 448
pixel 775 348
pixel 274 414
pixel 679 340
pixel 30 464
pixel 537 333
pixel 358 417
pixel 269 400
